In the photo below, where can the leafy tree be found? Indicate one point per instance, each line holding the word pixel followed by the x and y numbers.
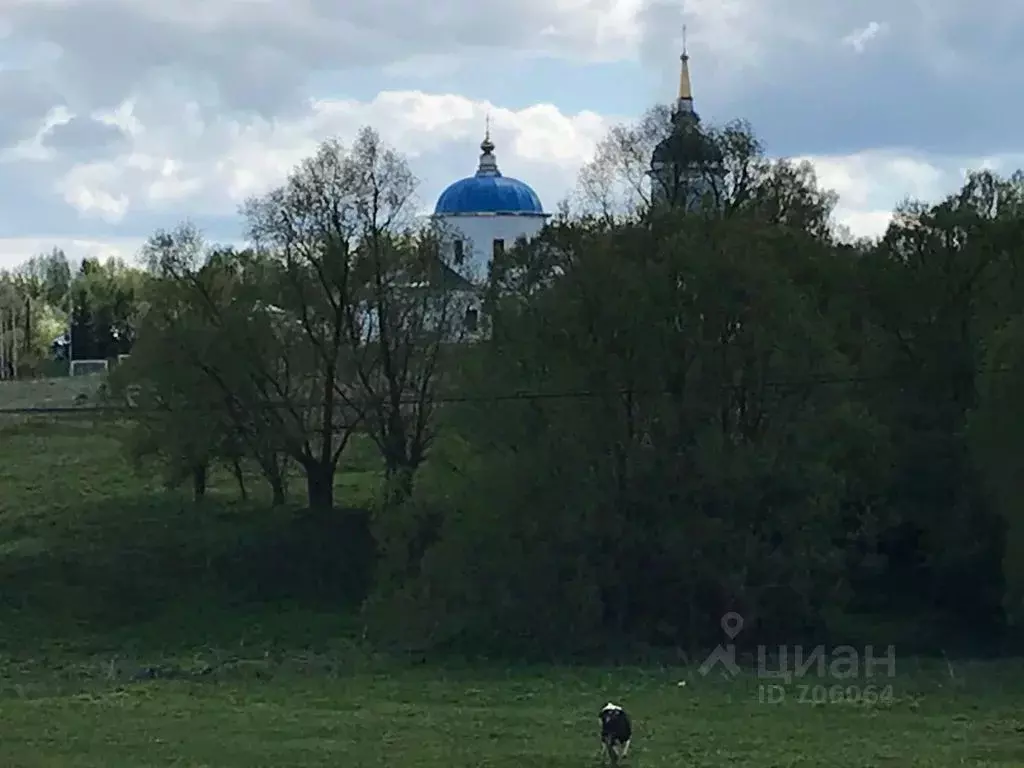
pixel 26 294
pixel 675 413
pixel 256 356
pixel 104 309
pixel 936 283
pixel 197 343
pixel 181 421
pixel 742 179
pixel 417 308
pixel 996 430
pixel 51 273
pixel 367 300
pixel 11 334
pixel 615 182
pixel 308 230
pixel 42 286
pixel 698 468
pixel 327 324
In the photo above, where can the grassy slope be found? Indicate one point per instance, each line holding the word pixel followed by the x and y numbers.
pixel 527 717
pixel 47 393
pixel 104 576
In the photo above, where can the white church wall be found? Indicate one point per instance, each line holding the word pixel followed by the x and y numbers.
pixel 478 233
pixel 457 315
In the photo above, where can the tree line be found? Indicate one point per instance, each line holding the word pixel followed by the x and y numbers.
pixel 672 414
pixel 59 311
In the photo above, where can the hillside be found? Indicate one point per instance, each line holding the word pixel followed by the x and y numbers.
pixel 139 628
pixel 59 392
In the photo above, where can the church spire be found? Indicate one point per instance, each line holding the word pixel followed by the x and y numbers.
pixel 684 100
pixel 683 163
pixel 488 164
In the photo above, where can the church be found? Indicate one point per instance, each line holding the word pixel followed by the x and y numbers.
pixel 481 215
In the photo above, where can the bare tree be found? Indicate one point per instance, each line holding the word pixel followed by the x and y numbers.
pixel 371 292
pixel 742 179
pixel 615 183
pixel 335 322
pixel 367 293
pixel 419 307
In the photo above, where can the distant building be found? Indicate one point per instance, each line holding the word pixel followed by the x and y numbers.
pixel 482 215
pixel 686 165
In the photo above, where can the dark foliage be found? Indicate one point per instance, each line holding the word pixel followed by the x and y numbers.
pixel 675 412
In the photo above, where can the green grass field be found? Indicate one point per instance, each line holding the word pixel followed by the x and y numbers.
pixel 62 392
pixel 139 629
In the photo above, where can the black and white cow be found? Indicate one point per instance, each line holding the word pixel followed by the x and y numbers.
pixel 616 731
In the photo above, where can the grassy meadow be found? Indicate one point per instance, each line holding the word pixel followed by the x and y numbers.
pixel 139 629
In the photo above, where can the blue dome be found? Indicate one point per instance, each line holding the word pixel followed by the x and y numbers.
pixel 489 192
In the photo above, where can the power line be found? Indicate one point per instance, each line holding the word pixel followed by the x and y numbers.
pixel 521 395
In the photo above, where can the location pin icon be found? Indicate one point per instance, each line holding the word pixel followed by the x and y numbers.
pixel 732 624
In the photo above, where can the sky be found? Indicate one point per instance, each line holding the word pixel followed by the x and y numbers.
pixel 119 117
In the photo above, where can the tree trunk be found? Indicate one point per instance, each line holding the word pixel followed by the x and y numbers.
pixel 320 472
pixel 279 480
pixel 279 495
pixel 320 485
pixel 399 484
pixel 275 476
pixel 26 341
pixel 274 468
pixel 236 468
pixel 198 482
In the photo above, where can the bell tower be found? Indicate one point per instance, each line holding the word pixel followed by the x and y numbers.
pixel 686 164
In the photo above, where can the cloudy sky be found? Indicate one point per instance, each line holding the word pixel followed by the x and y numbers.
pixel 121 116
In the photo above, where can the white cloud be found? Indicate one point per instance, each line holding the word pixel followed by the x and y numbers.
pixel 859 38
pixel 209 163
pixel 868 179
pixel 184 161
pixel 17 250
pixel 257 54
pixel 864 223
pixel 870 184
pixel 120 116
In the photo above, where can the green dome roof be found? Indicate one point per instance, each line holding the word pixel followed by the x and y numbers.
pixel 687 145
